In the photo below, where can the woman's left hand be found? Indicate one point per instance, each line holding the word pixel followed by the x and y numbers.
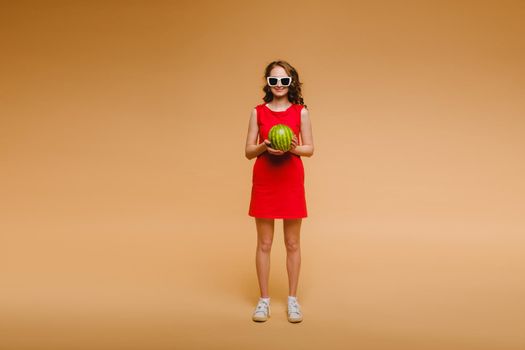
pixel 294 143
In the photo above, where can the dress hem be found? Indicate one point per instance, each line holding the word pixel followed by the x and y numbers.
pixel 277 217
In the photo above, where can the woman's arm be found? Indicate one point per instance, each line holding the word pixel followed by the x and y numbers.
pixel 307 147
pixel 252 148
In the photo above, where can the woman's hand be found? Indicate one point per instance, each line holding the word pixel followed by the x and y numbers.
pixel 270 150
pixel 294 143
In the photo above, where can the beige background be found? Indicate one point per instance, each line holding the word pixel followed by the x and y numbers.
pixel 125 191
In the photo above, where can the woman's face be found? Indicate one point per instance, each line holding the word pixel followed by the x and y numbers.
pixel 279 90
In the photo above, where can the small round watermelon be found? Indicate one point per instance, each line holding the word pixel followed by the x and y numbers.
pixel 280 136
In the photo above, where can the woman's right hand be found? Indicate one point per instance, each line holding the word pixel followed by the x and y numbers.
pixel 273 151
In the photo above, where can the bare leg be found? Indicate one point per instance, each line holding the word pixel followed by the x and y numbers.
pixel 265 228
pixel 292 230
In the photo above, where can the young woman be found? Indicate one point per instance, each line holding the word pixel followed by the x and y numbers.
pixel 278 179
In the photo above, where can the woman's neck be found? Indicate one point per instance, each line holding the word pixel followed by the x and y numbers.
pixel 280 102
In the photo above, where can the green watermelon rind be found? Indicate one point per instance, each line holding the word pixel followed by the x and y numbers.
pixel 281 136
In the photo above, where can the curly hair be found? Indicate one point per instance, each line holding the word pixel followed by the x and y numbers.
pixel 294 90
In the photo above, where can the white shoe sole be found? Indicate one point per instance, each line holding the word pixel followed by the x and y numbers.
pixel 261 318
pixel 295 320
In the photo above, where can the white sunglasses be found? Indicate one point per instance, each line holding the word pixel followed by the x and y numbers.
pixel 285 81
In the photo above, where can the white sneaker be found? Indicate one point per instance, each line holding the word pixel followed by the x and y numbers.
pixel 294 311
pixel 262 311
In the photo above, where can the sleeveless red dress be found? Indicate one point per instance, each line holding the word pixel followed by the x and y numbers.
pixel 278 181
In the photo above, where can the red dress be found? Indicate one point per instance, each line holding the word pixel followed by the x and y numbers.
pixel 278 181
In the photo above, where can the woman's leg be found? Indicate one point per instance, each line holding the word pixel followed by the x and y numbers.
pixel 265 229
pixel 292 230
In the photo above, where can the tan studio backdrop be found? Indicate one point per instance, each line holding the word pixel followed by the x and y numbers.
pixel 125 190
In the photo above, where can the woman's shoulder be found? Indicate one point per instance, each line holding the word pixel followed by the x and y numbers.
pixel 304 114
pixel 257 111
pixel 301 108
pixel 259 106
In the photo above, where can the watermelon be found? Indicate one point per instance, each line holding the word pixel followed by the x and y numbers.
pixel 280 136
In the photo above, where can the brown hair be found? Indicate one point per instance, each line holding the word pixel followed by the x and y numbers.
pixel 294 90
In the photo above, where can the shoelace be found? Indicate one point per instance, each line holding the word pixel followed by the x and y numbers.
pixel 262 306
pixel 293 308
